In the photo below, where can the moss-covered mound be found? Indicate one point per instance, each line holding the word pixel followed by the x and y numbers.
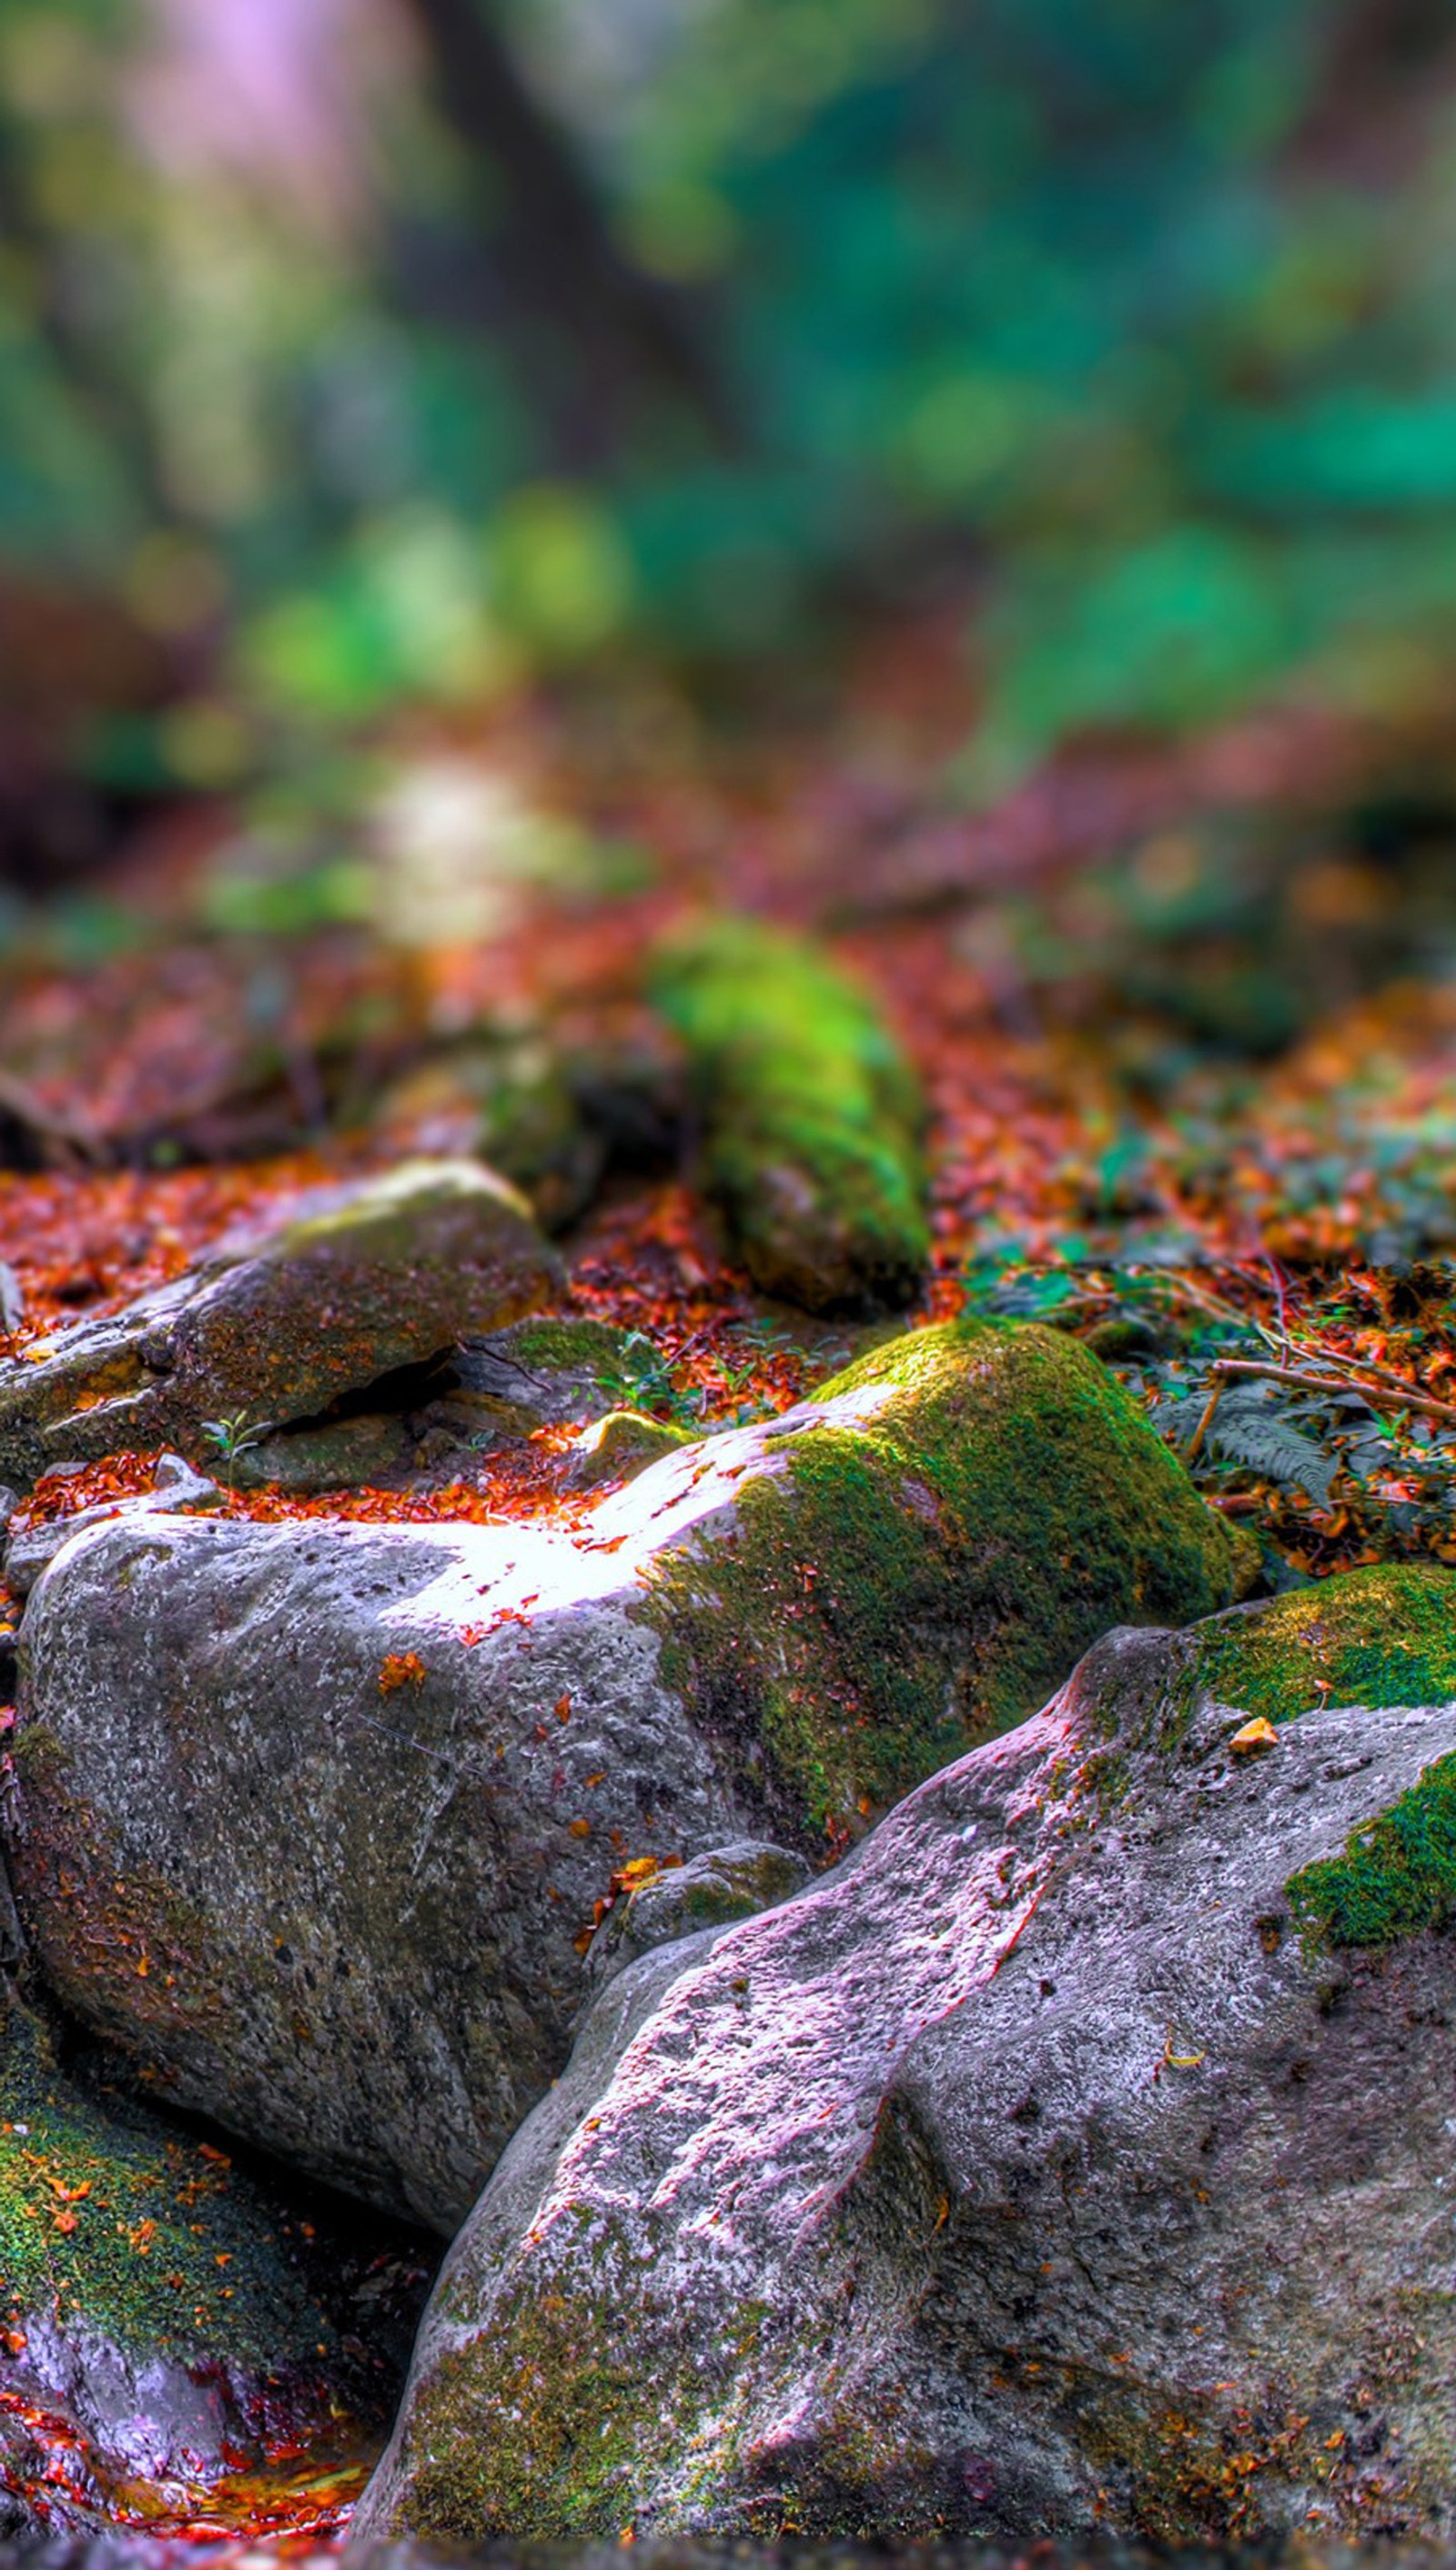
pixel 810 1116
pixel 167 2318
pixel 922 1554
pixel 1385 1636
pixel 1396 1874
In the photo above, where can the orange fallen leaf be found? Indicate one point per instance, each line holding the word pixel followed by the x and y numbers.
pixel 401 1668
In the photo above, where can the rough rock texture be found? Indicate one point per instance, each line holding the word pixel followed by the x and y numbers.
pixel 1049 2167
pixel 672 1901
pixel 811 1116
pixel 351 1794
pixel 275 1326
pixel 164 2317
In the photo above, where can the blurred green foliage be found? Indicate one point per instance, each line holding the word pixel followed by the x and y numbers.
pixel 1138 321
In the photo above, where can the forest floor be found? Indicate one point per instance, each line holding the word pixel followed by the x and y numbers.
pixel 1186 1023
pixel 1185 1020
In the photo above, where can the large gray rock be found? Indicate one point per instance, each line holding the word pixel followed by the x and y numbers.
pixel 276 1324
pixel 313 1819
pixel 1060 2163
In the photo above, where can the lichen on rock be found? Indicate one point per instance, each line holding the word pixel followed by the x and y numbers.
pixel 811 1116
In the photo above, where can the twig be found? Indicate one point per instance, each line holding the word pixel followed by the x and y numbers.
pixel 1194 1446
pixel 1276 1274
pixel 1394 1397
pixel 1341 1356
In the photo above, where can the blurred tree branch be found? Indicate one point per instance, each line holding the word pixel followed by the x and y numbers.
pixel 558 264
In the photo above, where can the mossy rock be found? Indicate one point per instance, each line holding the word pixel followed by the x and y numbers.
pixel 621 1446
pixel 1040 2174
pixel 172 2313
pixel 973 1506
pixel 551 1370
pixel 275 1325
pixel 511 1104
pixel 811 1116
pixel 672 1901
pixel 1383 1637
pixel 359 1831
pixel 372 1451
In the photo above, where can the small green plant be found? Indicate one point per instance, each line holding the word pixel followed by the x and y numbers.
pixel 233 1437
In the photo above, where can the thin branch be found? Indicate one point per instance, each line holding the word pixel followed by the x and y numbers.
pixel 1392 1396
pixel 1194 1447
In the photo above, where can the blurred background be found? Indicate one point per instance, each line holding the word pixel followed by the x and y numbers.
pixel 483 479
pixel 363 359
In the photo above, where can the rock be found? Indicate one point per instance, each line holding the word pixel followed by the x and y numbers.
pixel 275 1326
pixel 811 1116
pixel 354 1792
pixel 373 1450
pixel 169 2320
pixel 550 1373
pixel 709 1891
pixel 1075 2161
pixel 175 1488
pixel 618 1446
pixel 512 1104
pixel 483 1394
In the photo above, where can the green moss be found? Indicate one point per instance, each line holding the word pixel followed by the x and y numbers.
pixel 383 1219
pixel 1396 1875
pixel 548 2425
pixel 1384 1636
pixel 811 1116
pixel 591 1348
pixel 137 2231
pixel 541 2433
pixel 921 1571
pixel 622 1444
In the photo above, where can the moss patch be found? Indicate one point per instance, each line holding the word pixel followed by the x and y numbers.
pixel 159 2245
pixel 1385 1636
pixel 545 2432
pixel 1396 1875
pixel 591 1348
pixel 811 1116
pixel 622 1444
pixel 924 1568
